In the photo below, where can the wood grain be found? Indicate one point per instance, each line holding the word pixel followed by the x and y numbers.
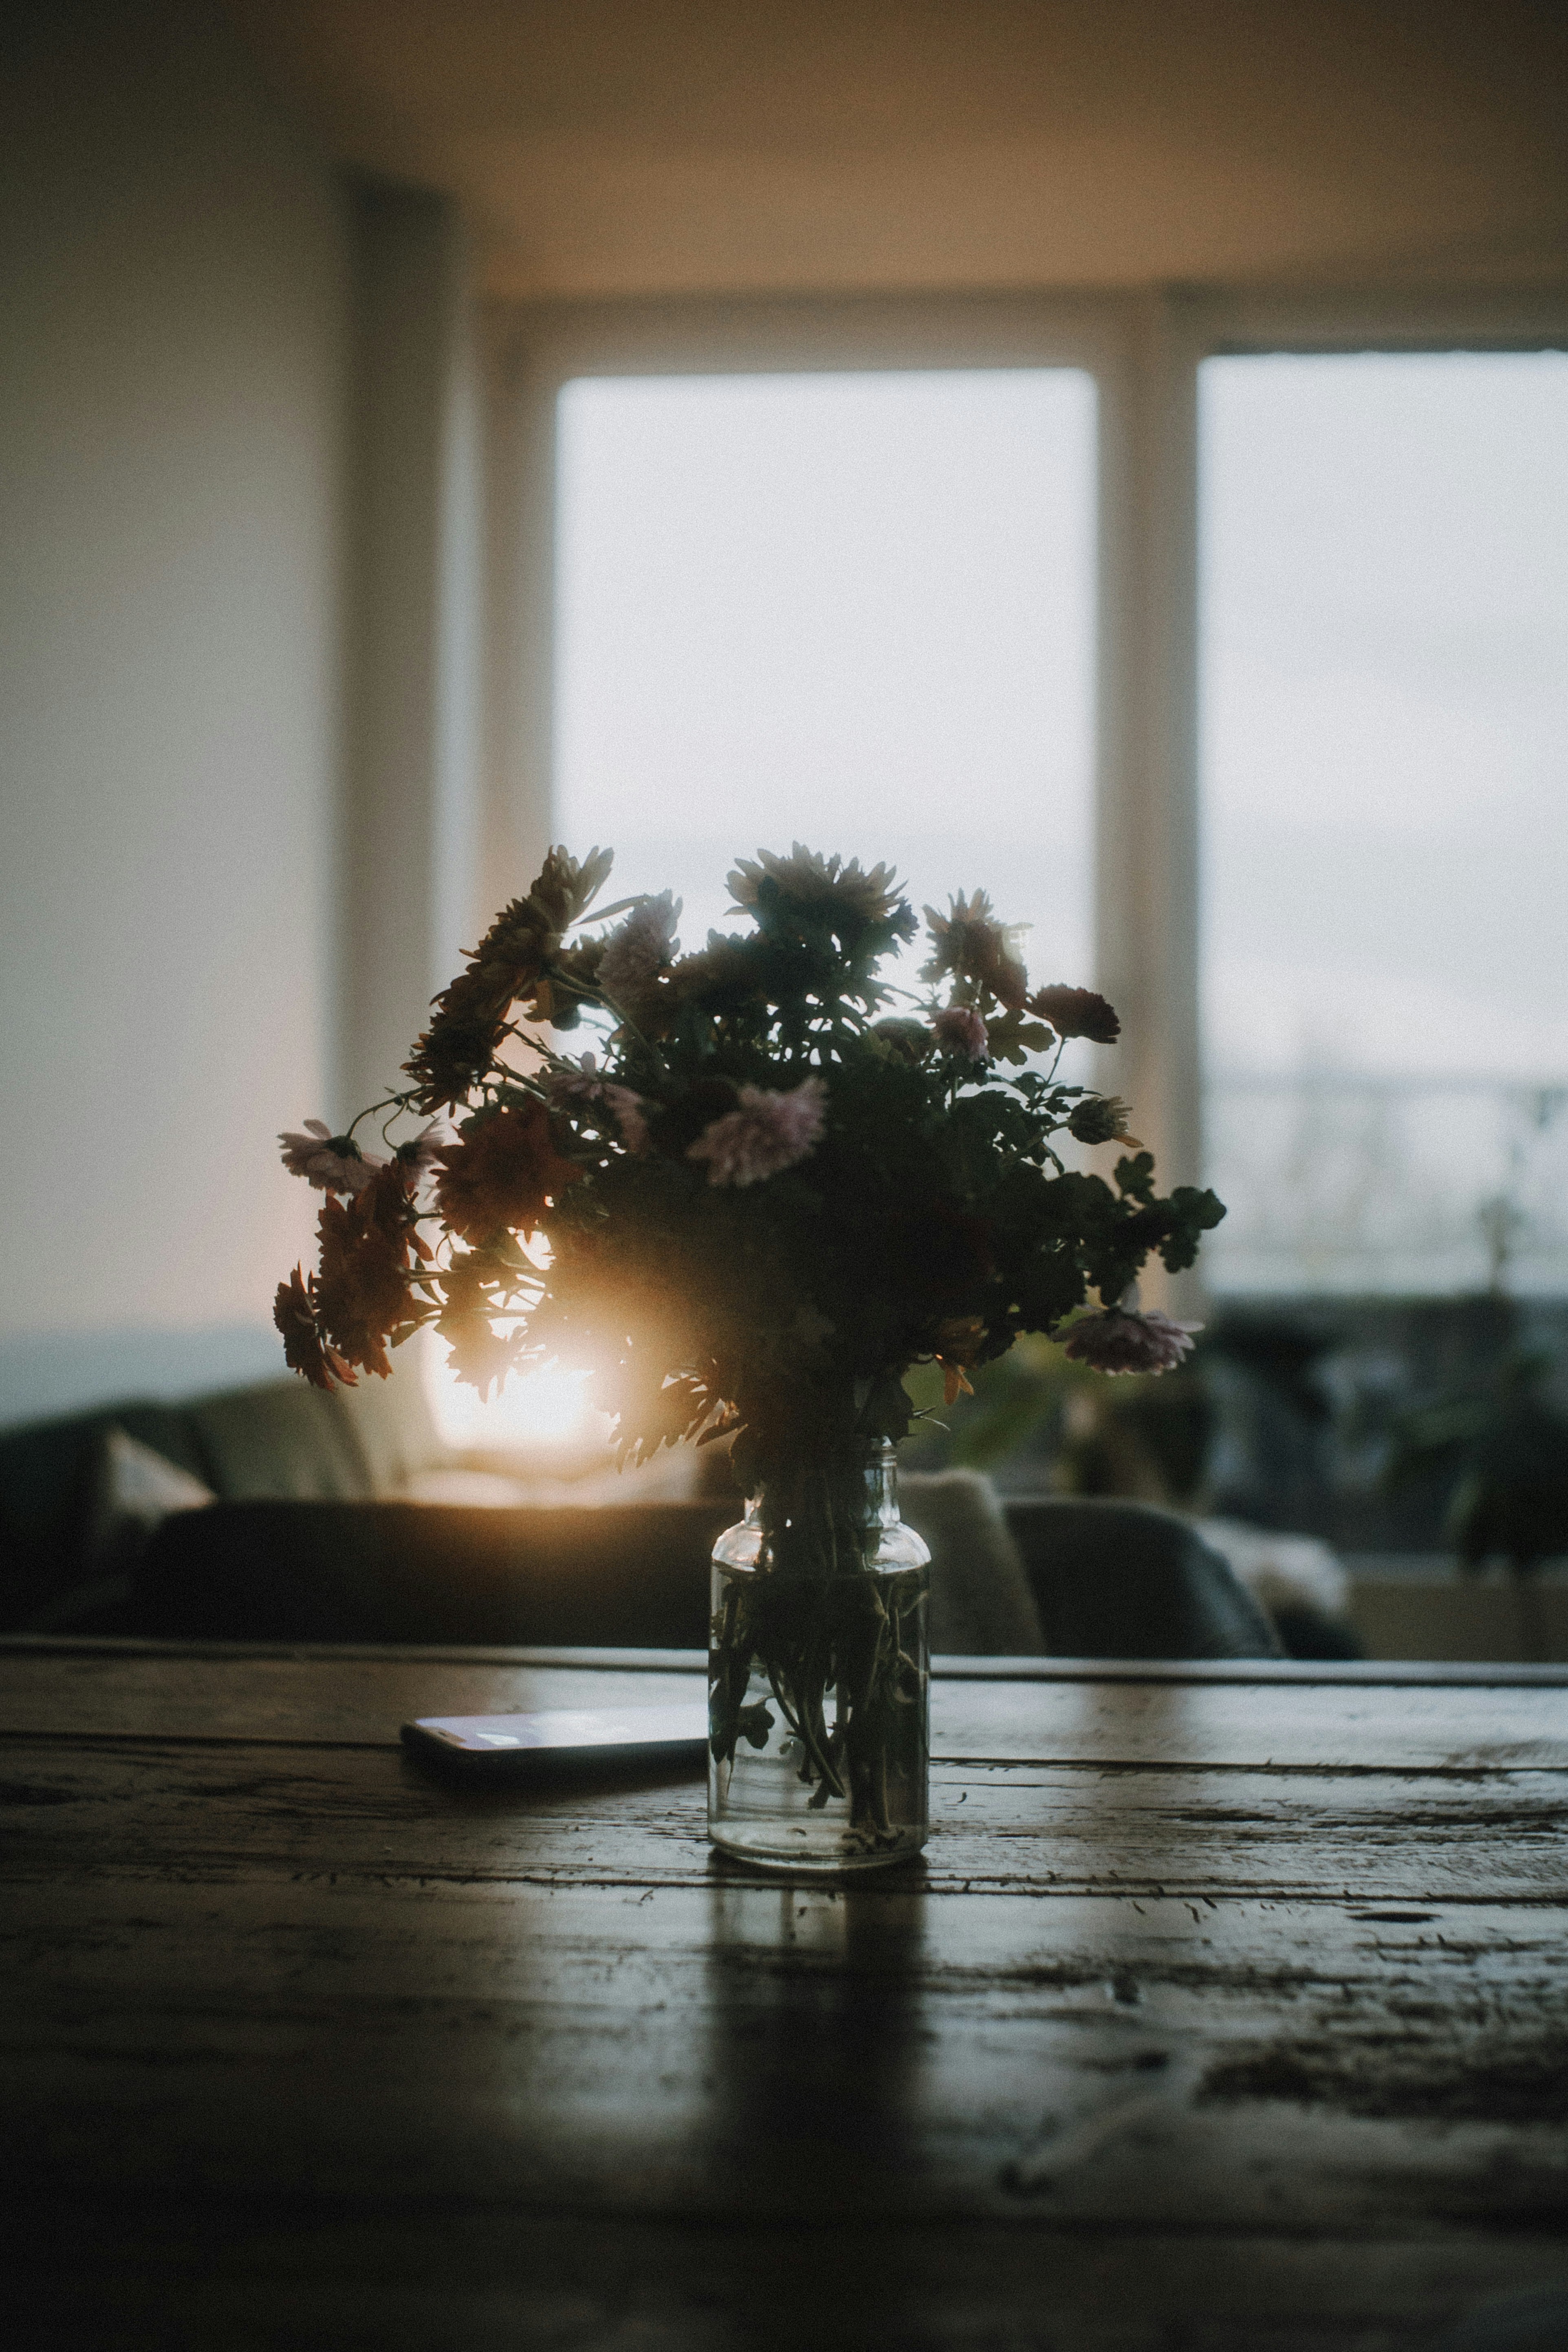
pixel 363 1699
pixel 1217 2014
pixel 127 1808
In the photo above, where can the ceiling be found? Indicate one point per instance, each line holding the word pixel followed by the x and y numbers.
pixel 644 147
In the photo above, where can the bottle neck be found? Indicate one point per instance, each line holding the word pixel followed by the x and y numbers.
pixel 857 1491
pixel 882 1485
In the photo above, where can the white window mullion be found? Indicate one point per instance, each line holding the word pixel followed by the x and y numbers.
pixel 1147 869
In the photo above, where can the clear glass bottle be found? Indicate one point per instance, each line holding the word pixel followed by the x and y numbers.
pixel 819 1674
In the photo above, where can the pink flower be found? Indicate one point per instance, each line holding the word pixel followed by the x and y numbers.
pixel 582 1085
pixel 626 1108
pixel 769 1131
pixel 579 1081
pixel 332 1163
pixel 640 951
pixel 1125 1339
pixel 962 1030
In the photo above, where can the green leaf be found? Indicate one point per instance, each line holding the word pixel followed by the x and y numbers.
pixel 1135 1176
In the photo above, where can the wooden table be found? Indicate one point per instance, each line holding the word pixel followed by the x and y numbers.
pixel 1228 2010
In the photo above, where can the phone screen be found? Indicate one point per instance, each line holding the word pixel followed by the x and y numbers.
pixel 513 1746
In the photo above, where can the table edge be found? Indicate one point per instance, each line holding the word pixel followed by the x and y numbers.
pixel 1359 1672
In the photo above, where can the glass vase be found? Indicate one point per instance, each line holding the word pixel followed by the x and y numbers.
pixel 819 1673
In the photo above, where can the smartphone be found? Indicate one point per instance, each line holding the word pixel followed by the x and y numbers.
pixel 494 1747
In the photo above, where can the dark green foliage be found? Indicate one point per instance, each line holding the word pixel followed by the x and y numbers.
pixel 900 1201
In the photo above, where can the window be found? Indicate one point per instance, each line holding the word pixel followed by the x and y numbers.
pixel 854 609
pixel 1383 634
pixel 1222 645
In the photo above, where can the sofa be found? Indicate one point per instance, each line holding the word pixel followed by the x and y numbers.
pixel 279 1513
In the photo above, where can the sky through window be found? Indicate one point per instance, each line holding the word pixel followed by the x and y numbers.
pixel 852 610
pixel 1385 732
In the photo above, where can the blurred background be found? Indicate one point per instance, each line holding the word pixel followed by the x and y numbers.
pixel 428 431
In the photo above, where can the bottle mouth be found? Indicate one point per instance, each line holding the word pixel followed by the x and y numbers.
pixel 814 1505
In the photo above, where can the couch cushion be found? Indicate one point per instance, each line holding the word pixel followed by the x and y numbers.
pixel 393 1425
pixel 1114 1579
pixel 283 1441
pixel 49 1488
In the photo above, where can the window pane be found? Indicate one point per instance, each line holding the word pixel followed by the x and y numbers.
pixel 851 610
pixel 1385 699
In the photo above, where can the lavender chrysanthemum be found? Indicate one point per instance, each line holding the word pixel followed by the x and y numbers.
pixel 579 1081
pixel 962 1030
pixel 584 1085
pixel 639 950
pixel 626 1109
pixel 332 1163
pixel 1124 1340
pixel 768 1132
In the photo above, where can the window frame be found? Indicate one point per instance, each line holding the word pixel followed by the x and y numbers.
pixel 1144 351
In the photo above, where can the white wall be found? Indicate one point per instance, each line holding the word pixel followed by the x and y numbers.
pixel 174 268
pixel 415 675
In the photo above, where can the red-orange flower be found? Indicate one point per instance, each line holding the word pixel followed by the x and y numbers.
pixel 462 1039
pixel 388 1200
pixel 501 1172
pixel 304 1350
pixel 1076 1012
pixel 362 1291
pixel 510 962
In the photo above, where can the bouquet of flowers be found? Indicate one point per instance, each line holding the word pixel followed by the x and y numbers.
pixel 772 1184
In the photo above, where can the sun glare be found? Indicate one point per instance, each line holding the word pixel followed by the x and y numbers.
pixel 532 1412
